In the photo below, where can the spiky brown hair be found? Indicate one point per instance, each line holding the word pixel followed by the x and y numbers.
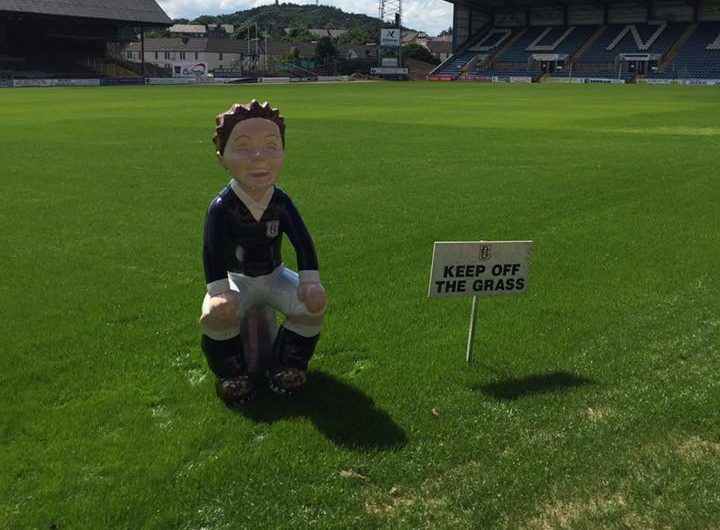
pixel 225 122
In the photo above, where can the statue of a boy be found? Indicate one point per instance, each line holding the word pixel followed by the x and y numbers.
pixel 243 268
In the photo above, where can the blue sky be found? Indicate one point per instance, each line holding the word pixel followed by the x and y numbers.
pixel 431 16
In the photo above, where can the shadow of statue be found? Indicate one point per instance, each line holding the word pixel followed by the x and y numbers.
pixel 342 413
pixel 513 388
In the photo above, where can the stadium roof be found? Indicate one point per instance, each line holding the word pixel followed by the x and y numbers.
pixel 525 4
pixel 188 28
pixel 136 11
pixel 199 28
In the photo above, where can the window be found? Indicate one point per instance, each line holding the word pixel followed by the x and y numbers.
pixel 182 55
pixel 156 55
pixel 167 55
pixel 220 56
pixel 196 56
pixel 129 55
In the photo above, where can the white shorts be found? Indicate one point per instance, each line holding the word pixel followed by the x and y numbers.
pixel 277 290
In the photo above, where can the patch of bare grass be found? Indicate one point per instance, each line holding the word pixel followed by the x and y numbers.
pixel 427 506
pixel 579 513
pixel 697 449
pixel 598 414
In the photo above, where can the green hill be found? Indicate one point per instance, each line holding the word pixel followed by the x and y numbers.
pixel 276 18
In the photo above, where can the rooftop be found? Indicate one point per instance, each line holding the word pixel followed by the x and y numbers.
pixel 136 11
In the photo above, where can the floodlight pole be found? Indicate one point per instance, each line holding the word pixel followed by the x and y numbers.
pixel 391 16
pixel 142 51
pixel 471 333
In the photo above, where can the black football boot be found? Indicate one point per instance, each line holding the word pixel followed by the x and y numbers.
pixel 290 356
pixel 227 361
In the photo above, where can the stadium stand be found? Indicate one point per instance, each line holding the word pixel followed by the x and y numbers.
pixel 605 58
pixel 493 40
pixel 699 58
pixel 70 39
pixel 481 49
pixel 604 41
pixel 653 38
pixel 455 64
pixel 542 40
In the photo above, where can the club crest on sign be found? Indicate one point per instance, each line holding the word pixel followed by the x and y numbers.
pixel 272 228
pixel 484 252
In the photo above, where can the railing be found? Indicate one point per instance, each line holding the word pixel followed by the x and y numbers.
pixel 293 68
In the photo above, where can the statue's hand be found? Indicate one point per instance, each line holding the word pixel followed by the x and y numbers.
pixel 224 311
pixel 313 295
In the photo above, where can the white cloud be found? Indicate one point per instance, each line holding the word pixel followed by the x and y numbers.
pixel 431 16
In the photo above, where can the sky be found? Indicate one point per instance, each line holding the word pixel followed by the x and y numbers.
pixel 431 16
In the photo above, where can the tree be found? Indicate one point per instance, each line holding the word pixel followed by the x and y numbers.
pixel 241 33
pixel 275 18
pixel 418 52
pixel 158 33
pixel 299 34
pixel 325 49
pixel 207 20
pixel 294 56
pixel 356 35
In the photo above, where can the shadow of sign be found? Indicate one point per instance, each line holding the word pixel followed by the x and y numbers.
pixel 514 388
pixel 342 413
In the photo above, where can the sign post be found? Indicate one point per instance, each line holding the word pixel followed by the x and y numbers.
pixel 479 268
pixel 471 333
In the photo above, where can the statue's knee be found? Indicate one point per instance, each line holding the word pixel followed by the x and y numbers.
pixel 222 316
pixel 308 319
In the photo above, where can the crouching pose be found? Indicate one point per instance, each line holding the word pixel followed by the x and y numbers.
pixel 242 256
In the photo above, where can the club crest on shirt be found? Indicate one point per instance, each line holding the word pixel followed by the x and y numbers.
pixel 272 228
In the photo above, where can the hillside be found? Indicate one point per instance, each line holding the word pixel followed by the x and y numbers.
pixel 275 18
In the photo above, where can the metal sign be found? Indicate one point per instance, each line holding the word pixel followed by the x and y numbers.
pixel 390 38
pixel 479 268
pixel 400 70
pixel 190 69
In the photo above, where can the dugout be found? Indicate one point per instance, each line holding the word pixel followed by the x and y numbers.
pixel 72 38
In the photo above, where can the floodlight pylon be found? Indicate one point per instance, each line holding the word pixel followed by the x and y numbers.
pixel 391 12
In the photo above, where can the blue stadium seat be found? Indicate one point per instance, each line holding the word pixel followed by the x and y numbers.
pixel 655 38
pixel 487 44
pixel 695 60
pixel 562 40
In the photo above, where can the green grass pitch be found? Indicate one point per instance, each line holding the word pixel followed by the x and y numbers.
pixel 592 401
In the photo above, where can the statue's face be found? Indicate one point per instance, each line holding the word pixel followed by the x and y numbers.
pixel 254 155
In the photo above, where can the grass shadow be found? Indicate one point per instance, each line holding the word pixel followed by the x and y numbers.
pixel 342 413
pixel 514 388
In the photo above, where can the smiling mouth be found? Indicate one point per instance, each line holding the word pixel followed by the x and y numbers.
pixel 259 174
